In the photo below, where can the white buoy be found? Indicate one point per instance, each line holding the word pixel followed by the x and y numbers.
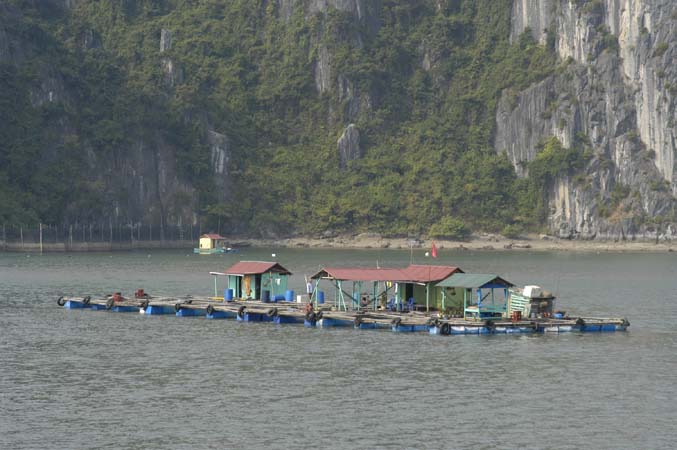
pixel 273 255
pixel 427 254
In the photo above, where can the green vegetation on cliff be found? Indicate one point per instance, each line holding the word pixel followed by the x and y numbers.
pixel 424 79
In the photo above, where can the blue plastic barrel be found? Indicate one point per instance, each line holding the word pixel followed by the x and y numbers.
pixel 320 297
pixel 265 296
pixel 278 298
pixel 289 296
pixel 228 295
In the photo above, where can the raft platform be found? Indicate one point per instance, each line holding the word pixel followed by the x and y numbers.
pixel 283 312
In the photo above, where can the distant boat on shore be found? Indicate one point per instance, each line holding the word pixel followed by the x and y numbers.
pixel 211 244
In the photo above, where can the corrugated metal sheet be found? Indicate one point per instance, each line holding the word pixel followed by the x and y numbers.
pixel 255 268
pixel 426 274
pixel 359 274
pixel 413 273
pixel 473 280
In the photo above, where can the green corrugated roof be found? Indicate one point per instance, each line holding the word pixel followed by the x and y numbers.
pixel 472 280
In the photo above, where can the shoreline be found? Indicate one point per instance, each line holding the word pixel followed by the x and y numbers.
pixel 476 243
pixel 484 242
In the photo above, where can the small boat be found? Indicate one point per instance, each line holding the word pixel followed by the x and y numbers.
pixel 211 244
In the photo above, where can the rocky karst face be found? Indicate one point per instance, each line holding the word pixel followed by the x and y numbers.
pixel 618 93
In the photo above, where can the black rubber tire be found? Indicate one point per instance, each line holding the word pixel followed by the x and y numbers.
pixel 318 315
pixel 241 311
pixel 109 303
pixel 86 300
pixel 580 322
pixel 626 323
pixel 357 322
pixel 396 321
pixel 177 306
pixel 489 324
pixel 210 309
pixel 445 328
pixel 272 312
pixel 310 316
pixel 146 295
pixel 61 301
pixel 144 304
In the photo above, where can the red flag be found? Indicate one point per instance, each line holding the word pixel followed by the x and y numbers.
pixel 433 250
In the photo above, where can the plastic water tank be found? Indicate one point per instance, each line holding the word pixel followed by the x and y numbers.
pixel 289 296
pixel 265 296
pixel 228 295
pixel 532 291
pixel 320 297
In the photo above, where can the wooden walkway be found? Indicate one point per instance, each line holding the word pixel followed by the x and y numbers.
pixel 325 316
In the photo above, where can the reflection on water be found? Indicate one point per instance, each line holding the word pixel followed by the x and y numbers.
pixel 84 379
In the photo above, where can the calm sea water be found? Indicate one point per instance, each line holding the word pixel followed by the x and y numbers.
pixel 86 379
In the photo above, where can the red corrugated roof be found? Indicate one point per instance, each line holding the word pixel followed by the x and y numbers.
pixel 360 274
pixel 212 236
pixel 413 273
pixel 255 268
pixel 430 273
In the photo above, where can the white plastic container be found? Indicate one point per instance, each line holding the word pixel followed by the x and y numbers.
pixel 299 298
pixel 532 291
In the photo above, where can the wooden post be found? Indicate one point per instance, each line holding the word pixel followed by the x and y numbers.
pixel 70 237
pixel 21 231
pixel 110 225
pixel 465 301
pixel 41 238
pixel 4 237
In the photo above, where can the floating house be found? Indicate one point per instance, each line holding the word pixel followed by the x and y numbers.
pixel 410 288
pixel 483 296
pixel 211 243
pixel 254 280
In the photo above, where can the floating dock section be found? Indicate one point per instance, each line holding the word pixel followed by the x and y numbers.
pixel 326 317
pixel 439 300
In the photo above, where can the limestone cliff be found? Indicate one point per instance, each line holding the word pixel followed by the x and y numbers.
pixel 617 93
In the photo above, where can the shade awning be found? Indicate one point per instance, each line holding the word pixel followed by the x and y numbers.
pixel 475 280
pixel 410 274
